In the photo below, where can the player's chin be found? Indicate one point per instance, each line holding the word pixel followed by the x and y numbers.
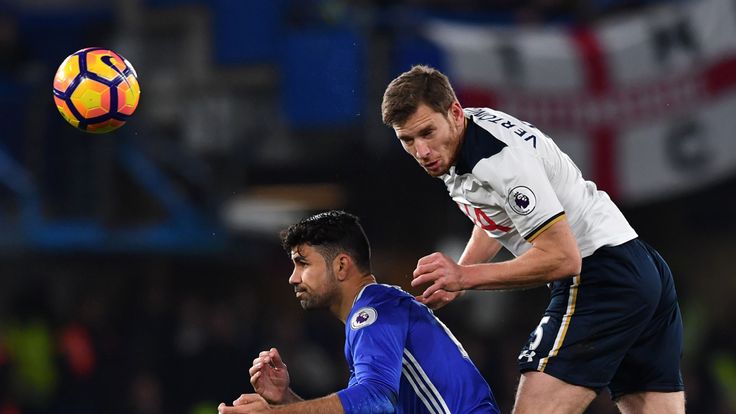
pixel 436 172
pixel 431 173
pixel 310 304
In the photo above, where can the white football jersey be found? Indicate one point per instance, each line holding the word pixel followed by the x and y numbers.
pixel 514 182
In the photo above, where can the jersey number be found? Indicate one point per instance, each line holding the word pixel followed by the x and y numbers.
pixel 481 219
pixel 538 334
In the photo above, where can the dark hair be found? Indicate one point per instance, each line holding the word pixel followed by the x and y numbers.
pixel 331 233
pixel 420 85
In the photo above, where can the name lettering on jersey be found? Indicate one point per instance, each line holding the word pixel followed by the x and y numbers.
pixel 495 119
pixel 522 200
pixel 508 125
pixel 363 317
pixel 481 219
pixel 485 116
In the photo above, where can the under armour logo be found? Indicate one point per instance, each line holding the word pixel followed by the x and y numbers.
pixel 529 355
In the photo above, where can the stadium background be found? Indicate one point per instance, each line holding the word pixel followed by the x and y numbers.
pixel 140 271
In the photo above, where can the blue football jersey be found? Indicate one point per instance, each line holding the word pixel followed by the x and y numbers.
pixel 403 359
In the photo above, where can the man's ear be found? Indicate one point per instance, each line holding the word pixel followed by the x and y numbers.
pixel 456 112
pixel 341 266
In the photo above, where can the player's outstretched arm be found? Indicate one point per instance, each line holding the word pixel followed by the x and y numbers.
pixel 480 248
pixel 255 404
pixel 270 378
pixel 554 255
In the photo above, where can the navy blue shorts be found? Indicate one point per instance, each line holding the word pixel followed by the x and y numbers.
pixel 617 325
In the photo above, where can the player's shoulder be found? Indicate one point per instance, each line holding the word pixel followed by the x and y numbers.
pixel 495 139
pixel 378 301
pixel 377 294
pixel 482 139
pixel 489 117
pixel 499 125
pixel 387 298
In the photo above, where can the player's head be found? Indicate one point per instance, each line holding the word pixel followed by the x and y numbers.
pixel 325 249
pixel 421 106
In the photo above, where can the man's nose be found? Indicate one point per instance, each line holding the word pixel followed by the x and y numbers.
pixel 294 278
pixel 421 149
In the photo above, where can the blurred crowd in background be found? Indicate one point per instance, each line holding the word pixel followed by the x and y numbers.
pixel 141 272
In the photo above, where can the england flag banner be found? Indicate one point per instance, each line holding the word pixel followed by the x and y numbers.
pixel 645 104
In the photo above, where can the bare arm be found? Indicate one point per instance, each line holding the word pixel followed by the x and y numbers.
pixel 255 404
pixel 326 405
pixel 481 248
pixel 554 255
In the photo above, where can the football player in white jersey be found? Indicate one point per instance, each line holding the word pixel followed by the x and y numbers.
pixel 613 319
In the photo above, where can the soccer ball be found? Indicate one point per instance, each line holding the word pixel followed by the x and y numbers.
pixel 96 90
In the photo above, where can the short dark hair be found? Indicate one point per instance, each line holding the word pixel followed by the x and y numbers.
pixel 420 85
pixel 331 233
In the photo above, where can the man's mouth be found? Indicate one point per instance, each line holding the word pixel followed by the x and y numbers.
pixel 432 165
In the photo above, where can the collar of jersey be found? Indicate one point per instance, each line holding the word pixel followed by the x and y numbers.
pixel 478 143
pixel 462 165
pixel 361 293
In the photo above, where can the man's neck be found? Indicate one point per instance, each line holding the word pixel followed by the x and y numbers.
pixel 460 140
pixel 463 130
pixel 350 295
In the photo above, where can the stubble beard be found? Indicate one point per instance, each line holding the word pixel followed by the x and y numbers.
pixel 323 300
pixel 456 132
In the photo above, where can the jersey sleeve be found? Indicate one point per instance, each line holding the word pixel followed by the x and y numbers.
pixel 520 177
pixel 377 337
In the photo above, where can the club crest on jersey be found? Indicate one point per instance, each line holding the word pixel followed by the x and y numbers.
pixel 522 200
pixel 363 317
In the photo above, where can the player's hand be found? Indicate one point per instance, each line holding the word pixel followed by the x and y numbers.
pixel 245 404
pixel 439 298
pixel 439 270
pixel 269 376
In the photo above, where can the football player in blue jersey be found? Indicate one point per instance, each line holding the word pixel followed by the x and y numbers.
pixel 402 359
pixel 613 319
